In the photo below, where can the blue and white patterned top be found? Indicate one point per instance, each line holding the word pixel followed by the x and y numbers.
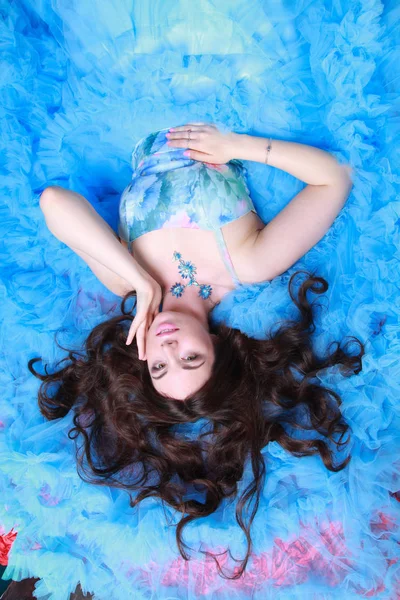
pixel 169 189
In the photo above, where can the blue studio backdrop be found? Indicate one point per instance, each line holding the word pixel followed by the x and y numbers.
pixel 81 82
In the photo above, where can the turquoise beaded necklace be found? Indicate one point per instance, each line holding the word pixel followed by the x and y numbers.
pixel 187 270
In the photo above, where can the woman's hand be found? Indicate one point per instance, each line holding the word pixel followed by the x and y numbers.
pixel 148 299
pixel 206 144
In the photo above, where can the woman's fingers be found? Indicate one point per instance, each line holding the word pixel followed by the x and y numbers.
pixel 184 136
pixel 149 303
pixel 134 327
pixel 141 335
pixel 181 127
pixel 140 338
pixel 197 127
pixel 194 128
pixel 199 141
pixel 195 146
pixel 131 332
pixel 139 327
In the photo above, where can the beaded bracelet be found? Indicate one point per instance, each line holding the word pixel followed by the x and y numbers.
pixel 268 151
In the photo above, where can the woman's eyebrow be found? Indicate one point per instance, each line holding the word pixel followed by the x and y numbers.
pixel 186 367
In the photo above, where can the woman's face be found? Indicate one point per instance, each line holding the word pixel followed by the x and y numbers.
pixel 179 361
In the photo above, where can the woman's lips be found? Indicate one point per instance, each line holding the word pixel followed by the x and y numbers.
pixel 166 326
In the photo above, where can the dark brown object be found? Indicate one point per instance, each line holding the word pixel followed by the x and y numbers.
pixel 23 590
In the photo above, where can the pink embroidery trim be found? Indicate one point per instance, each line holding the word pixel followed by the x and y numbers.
pixel 180 219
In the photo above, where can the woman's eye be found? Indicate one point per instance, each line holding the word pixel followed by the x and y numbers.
pixel 159 366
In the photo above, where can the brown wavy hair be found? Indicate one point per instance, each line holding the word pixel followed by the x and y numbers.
pixel 124 422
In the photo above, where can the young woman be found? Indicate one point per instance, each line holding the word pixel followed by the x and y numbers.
pixel 204 213
pixel 189 235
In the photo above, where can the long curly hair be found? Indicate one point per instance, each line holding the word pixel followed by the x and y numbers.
pixel 124 422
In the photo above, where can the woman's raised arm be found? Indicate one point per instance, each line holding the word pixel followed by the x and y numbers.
pixel 303 222
pixel 308 163
pixel 74 221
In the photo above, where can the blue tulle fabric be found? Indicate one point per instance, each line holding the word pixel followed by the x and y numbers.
pixel 81 83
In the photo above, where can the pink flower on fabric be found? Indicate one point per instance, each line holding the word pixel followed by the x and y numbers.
pixel 6 541
pixel 333 539
pixel 37 546
pixel 242 205
pixel 285 571
pixel 179 571
pixel 383 522
pixel 45 493
pixel 287 563
pixel 203 570
pixel 180 219
pixel 220 168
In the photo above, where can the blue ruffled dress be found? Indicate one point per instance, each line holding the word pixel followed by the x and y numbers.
pixel 81 83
